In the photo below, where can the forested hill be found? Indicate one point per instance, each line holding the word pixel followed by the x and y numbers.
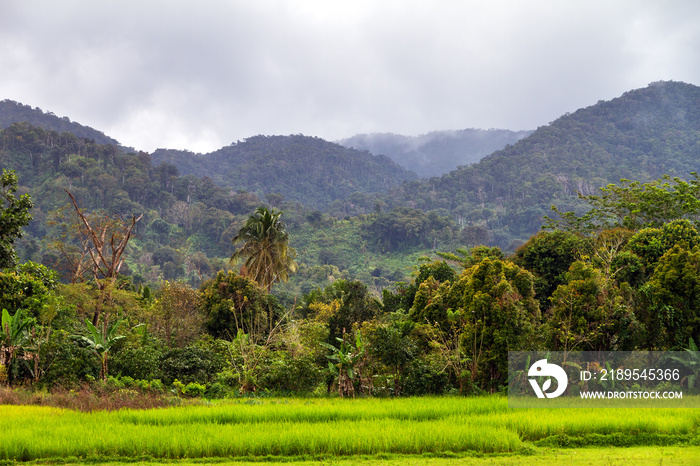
pixel 437 152
pixel 304 169
pixel 15 112
pixel 640 135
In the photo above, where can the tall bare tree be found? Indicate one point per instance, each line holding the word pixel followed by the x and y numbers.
pixel 106 248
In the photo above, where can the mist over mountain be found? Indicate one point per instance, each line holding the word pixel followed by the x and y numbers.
pixel 641 135
pixel 437 152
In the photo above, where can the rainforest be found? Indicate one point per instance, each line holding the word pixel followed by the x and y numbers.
pixel 291 284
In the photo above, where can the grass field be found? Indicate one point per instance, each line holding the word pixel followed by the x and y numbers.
pixel 328 431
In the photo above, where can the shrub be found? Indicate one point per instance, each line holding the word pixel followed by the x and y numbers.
pixel 192 389
pixel 424 379
pixel 190 364
pixel 139 363
pixel 287 374
pixel 64 363
pixel 216 390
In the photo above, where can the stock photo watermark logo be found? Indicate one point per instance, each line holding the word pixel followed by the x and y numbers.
pixel 604 379
pixel 542 369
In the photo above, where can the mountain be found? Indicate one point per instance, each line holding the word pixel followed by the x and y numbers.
pixel 500 200
pixel 437 152
pixel 15 112
pixel 640 135
pixel 188 222
pixel 304 169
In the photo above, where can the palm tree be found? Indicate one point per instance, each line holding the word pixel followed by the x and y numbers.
pixel 268 257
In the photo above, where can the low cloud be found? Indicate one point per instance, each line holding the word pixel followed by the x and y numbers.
pixel 199 75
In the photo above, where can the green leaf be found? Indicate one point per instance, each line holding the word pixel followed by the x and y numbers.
pixel 332 367
pixel 93 331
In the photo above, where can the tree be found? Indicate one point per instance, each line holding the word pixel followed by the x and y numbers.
pixel 673 294
pixel 633 205
pixel 346 362
pixel 232 302
pixel 175 317
pixel 591 312
pixel 268 256
pixel 405 294
pixel 391 345
pixel 431 303
pixel 650 244
pixel 27 286
pixel 14 215
pixel 497 312
pixel 107 247
pixel 548 255
pixel 342 306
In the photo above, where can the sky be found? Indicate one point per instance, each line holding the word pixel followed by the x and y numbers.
pixel 199 75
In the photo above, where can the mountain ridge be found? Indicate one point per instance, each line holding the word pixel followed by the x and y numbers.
pixel 640 135
pixel 16 112
pixel 305 169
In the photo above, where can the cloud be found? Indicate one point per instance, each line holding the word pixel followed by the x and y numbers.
pixel 199 75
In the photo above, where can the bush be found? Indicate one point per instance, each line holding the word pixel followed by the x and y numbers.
pixel 139 363
pixel 190 364
pixel 423 379
pixel 127 382
pixel 216 390
pixel 192 389
pixel 287 374
pixel 64 363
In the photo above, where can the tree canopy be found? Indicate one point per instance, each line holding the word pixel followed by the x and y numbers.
pixel 268 256
pixel 14 215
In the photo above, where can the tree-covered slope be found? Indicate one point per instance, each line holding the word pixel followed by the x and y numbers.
pixel 640 135
pixel 15 112
pixel 437 152
pixel 304 169
pixel 188 222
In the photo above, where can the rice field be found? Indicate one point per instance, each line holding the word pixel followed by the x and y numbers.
pixel 287 428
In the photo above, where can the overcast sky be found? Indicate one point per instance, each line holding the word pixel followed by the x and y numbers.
pixel 199 75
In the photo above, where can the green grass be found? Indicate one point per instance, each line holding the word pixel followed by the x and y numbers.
pixel 293 428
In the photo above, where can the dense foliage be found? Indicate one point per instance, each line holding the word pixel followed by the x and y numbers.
pixel 641 135
pixel 14 216
pixel 300 168
pixel 621 273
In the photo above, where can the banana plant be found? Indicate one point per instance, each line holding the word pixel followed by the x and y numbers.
pixel 345 361
pixel 691 361
pixel 14 338
pixel 100 344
